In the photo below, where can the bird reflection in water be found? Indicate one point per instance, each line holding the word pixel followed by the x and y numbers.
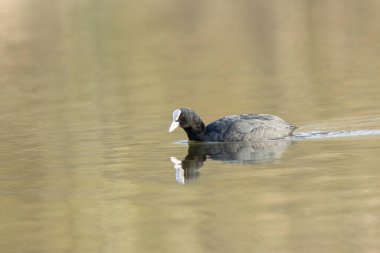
pixel 187 170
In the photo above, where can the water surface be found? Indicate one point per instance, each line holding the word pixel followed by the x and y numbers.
pixel 87 89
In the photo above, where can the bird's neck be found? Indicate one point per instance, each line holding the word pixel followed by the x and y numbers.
pixel 196 132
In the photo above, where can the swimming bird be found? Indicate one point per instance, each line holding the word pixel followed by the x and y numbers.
pixel 233 128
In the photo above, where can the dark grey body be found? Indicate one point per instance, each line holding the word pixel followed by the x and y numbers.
pixel 234 128
pixel 248 127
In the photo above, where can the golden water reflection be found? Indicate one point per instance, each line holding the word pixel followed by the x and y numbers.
pixel 86 94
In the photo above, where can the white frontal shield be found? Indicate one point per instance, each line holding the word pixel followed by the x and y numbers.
pixel 175 122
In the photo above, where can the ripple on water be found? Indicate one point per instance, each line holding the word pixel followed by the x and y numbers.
pixel 335 134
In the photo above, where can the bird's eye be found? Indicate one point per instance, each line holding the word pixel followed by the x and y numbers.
pixel 182 118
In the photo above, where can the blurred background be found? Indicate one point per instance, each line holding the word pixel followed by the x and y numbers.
pixel 87 89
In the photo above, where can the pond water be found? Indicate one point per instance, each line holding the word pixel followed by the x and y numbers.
pixel 87 91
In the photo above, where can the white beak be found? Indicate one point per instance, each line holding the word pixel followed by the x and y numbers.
pixel 175 122
pixel 173 126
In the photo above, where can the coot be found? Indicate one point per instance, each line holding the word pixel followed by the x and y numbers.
pixel 233 128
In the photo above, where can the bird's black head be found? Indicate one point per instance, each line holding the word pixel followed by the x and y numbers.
pixel 190 122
